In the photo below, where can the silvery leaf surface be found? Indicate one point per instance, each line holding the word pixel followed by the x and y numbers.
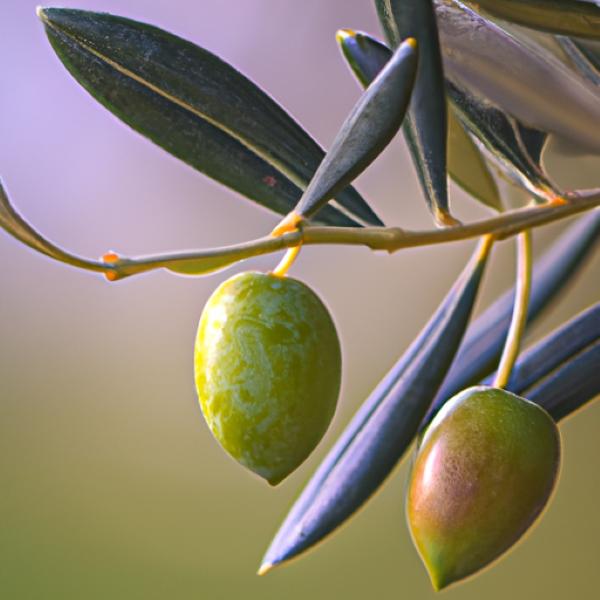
pixel 425 127
pixel 384 426
pixel 579 18
pixel 524 80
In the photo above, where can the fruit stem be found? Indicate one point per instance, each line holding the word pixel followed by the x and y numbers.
pixel 290 223
pixel 287 261
pixel 519 315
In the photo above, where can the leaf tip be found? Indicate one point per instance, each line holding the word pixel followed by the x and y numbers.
pixel 264 568
pixel 412 42
pixel 342 35
pixel 40 11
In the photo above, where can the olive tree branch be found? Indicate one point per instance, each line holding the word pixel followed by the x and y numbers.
pixel 389 239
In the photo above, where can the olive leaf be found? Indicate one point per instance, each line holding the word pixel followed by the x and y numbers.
pixel 518 76
pixel 354 475
pixel 561 371
pixel 118 267
pixel 197 107
pixel 571 386
pixel 557 358
pixel 15 225
pixel 591 50
pixel 579 18
pixel 586 59
pixel 483 342
pixel 366 57
pixel 425 127
pixel 517 150
pixel 383 427
pixel 368 129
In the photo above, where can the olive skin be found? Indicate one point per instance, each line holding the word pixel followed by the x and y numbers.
pixel 267 370
pixel 483 473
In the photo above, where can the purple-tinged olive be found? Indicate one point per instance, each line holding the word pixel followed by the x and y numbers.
pixel 483 473
pixel 268 370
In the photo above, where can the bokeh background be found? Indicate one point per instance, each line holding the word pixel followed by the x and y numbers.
pixel 111 485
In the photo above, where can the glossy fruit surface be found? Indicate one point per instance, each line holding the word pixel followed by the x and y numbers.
pixel 268 371
pixel 485 469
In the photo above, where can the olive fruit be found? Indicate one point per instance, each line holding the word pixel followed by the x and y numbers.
pixel 268 370
pixel 484 470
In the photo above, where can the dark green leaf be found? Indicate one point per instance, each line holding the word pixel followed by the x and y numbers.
pixel 568 17
pixel 519 76
pixel 196 107
pixel 366 57
pixel 383 428
pixel 370 126
pixel 425 126
pixel 483 342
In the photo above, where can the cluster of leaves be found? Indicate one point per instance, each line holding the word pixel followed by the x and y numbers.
pixel 477 100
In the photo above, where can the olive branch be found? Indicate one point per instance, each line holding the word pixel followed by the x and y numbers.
pixel 432 79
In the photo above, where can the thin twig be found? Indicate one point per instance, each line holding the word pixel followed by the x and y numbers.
pixel 390 239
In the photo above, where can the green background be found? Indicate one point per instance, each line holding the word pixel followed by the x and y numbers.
pixel 111 484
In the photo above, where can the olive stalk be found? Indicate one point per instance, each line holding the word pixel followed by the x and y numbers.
pixel 519 316
pixel 390 239
pixel 287 261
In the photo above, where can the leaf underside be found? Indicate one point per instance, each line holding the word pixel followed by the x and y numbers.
pixel 375 440
pixel 384 426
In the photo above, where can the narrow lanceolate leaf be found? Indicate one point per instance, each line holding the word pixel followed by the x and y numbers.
pixel 366 57
pixel 195 106
pixel 505 139
pixel 571 386
pixel 383 428
pixel 483 342
pixel 592 52
pixel 585 58
pixel 580 18
pixel 554 352
pixel 520 77
pixel 116 267
pixel 425 128
pixel 369 128
pixel 561 371
pixel 12 222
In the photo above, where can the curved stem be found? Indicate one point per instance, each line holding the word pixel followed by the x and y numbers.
pixel 519 316
pixel 390 239
pixel 287 261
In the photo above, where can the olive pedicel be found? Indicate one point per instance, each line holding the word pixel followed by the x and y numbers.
pixel 483 473
pixel 268 371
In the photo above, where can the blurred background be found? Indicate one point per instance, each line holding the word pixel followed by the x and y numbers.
pixel 111 484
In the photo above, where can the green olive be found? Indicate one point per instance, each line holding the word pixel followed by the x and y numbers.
pixel 268 371
pixel 485 469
